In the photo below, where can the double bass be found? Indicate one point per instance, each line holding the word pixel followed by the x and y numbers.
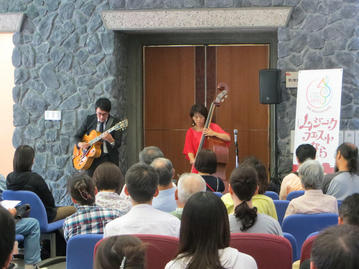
pixel 218 146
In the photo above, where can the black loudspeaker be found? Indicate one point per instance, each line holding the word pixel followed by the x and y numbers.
pixel 269 86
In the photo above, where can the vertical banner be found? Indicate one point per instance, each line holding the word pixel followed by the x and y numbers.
pixel 318 114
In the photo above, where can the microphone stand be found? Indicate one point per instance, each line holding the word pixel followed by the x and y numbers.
pixel 235 132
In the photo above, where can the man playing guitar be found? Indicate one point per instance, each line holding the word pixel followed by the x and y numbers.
pixel 101 121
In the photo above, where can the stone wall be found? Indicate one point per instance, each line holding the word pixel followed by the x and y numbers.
pixel 65 59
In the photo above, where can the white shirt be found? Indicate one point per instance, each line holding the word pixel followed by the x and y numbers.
pixel 230 258
pixel 144 219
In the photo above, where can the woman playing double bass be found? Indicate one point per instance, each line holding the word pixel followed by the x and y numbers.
pixel 198 115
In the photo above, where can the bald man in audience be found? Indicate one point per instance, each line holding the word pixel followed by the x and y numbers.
pixel 336 247
pixel 188 184
pixel 165 200
pixel 149 154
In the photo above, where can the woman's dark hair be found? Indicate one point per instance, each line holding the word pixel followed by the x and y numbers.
pixel 198 108
pixel 206 161
pixel 82 189
pixel 244 183
pixel 23 158
pixel 350 153
pixel 108 176
pixel 261 170
pixel 204 230
pixel 122 250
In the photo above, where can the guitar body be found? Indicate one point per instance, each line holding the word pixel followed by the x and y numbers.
pixel 82 159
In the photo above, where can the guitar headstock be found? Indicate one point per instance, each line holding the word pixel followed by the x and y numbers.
pixel 223 93
pixel 121 125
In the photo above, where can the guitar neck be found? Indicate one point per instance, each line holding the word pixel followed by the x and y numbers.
pixel 98 138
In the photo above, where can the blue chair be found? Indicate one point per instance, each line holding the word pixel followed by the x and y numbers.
pixel 219 194
pixel 38 212
pixel 312 234
pixel 19 237
pixel 281 207
pixel 272 195
pixel 294 244
pixel 301 225
pixel 80 250
pixel 294 194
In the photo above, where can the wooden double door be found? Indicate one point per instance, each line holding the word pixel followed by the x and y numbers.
pixel 176 77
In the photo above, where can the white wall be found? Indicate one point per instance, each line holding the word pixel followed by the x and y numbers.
pixel 6 103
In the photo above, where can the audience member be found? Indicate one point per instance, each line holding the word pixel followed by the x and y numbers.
pixel 204 237
pixel 313 201
pixel 292 182
pixel 347 181
pixel 142 185
pixel 88 218
pixel 109 182
pixel 206 165
pixel 188 184
pixel 165 200
pixel 148 154
pixel 122 251
pixel 7 239
pixel 349 210
pixel 336 247
pixel 263 203
pixel 22 178
pixel 243 185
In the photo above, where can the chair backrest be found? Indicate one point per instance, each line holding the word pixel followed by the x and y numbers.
pixel 80 250
pixel 160 249
pixel 269 251
pixel 301 225
pixel 272 195
pixel 294 194
pixel 37 207
pixel 307 248
pixel 293 242
pixel 281 207
pixel 339 203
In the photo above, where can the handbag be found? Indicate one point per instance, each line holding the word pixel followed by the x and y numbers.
pixel 22 211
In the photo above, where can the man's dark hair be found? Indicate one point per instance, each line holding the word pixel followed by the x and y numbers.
pixel 349 210
pixel 7 228
pixel 206 161
pixel 108 176
pixel 82 189
pixel 337 247
pixel 148 154
pixel 305 151
pixel 350 153
pixel 164 168
pixel 262 174
pixel 23 158
pixel 104 104
pixel 141 182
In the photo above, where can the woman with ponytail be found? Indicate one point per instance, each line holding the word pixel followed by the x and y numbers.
pixel 88 218
pixel 243 185
pixel 204 237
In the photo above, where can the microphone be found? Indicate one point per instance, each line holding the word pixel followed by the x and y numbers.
pixel 235 132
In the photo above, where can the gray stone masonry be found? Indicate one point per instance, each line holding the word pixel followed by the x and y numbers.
pixel 65 59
